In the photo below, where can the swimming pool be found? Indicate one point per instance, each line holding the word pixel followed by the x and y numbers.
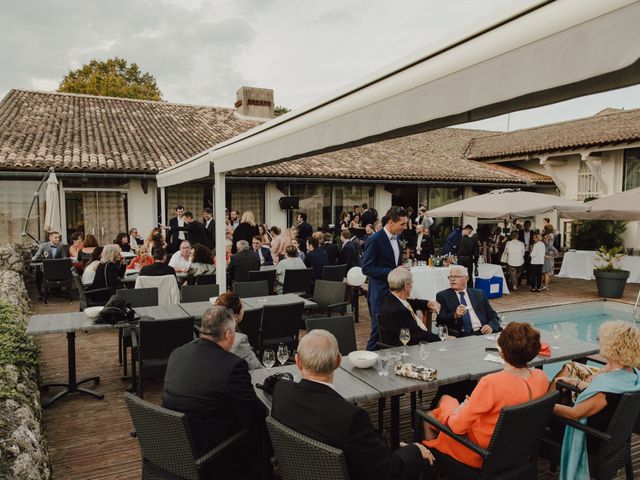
pixel 580 320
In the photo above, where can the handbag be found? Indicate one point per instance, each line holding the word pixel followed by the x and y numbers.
pixel 115 311
pixel 270 382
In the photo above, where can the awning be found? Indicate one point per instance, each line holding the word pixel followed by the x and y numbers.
pixel 621 206
pixel 194 168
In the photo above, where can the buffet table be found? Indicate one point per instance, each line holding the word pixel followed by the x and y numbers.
pixel 580 263
pixel 428 281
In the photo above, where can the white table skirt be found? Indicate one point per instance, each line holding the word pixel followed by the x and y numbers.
pixel 428 281
pixel 579 264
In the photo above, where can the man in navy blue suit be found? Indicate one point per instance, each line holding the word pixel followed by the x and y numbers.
pixel 315 258
pixel 263 253
pixel 382 254
pixel 466 311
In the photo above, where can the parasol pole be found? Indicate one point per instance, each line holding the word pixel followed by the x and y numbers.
pixel 36 198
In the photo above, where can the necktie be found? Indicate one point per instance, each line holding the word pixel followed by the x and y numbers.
pixel 415 317
pixel 466 318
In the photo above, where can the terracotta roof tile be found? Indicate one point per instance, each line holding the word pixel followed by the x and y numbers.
pixel 84 132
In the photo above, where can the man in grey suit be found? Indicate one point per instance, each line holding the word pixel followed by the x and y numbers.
pixel 54 248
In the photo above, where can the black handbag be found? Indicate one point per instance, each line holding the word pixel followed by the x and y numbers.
pixel 115 311
pixel 270 382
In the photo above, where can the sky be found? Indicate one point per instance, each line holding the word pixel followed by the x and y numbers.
pixel 202 51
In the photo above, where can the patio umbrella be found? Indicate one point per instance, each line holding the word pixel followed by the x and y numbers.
pixel 507 204
pixel 621 206
pixel 52 205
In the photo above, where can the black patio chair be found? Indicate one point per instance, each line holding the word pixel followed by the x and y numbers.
pixel 614 451
pixel 330 297
pixel 513 448
pixel 90 298
pixel 280 324
pixel 198 293
pixel 250 326
pixel 297 281
pixel 334 273
pixel 152 343
pixel 134 297
pixel 341 327
pixel 206 279
pixel 302 458
pixel 259 288
pixel 167 446
pixel 56 274
pixel 268 275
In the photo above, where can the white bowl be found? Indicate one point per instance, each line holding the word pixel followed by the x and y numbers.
pixel 363 358
pixel 213 300
pixel 92 312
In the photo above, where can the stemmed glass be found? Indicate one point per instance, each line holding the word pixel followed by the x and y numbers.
pixel 443 333
pixel 405 336
pixel 503 321
pixel 46 254
pixel 268 359
pixel 423 351
pixel 556 332
pixel 283 353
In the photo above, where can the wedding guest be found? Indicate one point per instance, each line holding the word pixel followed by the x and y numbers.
pixel 291 262
pixel 76 245
pixel 89 244
pixel 89 272
pixel 513 256
pixel 201 262
pixel 141 260
pixel 279 243
pixel 122 240
pixel 549 260
pixel 246 230
pixel 538 252
pixel 110 270
pixel 241 346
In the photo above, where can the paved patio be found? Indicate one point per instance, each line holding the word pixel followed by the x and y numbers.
pixel 89 439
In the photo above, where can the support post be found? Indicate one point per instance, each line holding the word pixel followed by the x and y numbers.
pixel 220 233
pixel 554 176
pixel 163 206
pixel 595 170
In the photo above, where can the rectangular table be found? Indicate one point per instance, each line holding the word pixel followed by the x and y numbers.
pixel 287 298
pixel 162 312
pixel 68 323
pixel 346 385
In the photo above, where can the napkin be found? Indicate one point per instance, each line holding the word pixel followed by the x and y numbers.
pixel 493 358
pixel 545 350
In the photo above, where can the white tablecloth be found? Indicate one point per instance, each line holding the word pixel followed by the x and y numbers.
pixel 428 281
pixel 579 264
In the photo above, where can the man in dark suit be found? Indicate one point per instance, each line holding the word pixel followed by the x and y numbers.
pixel 350 253
pixel 399 311
pixel 424 244
pixel 52 249
pixel 368 217
pixel 196 232
pixel 315 258
pixel 263 253
pixel 305 230
pixel 242 263
pixel 382 254
pixel 468 252
pixel 209 224
pixel 526 236
pixel 313 408
pixel 173 235
pixel 159 267
pixel 220 401
pixel 332 250
pixel 466 311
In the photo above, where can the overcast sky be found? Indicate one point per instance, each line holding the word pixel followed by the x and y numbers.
pixel 201 51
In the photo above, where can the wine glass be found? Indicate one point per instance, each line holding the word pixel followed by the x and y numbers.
pixel 405 336
pixel 46 254
pixel 503 321
pixel 556 332
pixel 283 353
pixel 443 333
pixel 423 351
pixel 268 359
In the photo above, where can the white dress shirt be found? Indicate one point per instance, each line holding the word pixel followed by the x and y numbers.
pixel 181 233
pixel 394 244
pixel 476 324
pixel 418 242
pixel 177 261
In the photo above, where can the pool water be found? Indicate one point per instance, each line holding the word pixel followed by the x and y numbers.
pixel 580 320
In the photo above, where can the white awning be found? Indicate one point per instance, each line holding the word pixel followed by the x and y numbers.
pixel 194 168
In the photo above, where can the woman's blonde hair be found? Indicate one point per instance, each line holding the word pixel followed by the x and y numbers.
pixel 293 233
pixel 247 217
pixel 620 341
pixel 110 253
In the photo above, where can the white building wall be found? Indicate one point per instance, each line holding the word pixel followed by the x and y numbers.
pixel 143 210
pixel 273 214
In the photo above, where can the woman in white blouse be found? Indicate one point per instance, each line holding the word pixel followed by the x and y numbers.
pixel 537 261
pixel 513 256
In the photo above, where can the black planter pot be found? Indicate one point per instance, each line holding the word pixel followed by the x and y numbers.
pixel 611 284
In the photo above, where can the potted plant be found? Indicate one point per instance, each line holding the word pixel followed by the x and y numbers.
pixel 610 279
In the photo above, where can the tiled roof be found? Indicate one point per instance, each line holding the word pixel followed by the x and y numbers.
pixel 438 155
pixel 89 133
pixel 608 127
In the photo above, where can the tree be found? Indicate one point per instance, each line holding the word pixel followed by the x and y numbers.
pixel 280 110
pixel 111 78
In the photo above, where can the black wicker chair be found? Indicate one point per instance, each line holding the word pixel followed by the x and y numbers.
pixel 198 293
pixel 614 451
pixel 90 298
pixel 56 274
pixel 512 451
pixel 206 279
pixel 268 275
pixel 166 444
pixel 250 326
pixel 342 328
pixel 302 458
pixel 259 288
pixel 297 281
pixel 330 297
pixel 280 324
pixel 334 273
pixel 152 343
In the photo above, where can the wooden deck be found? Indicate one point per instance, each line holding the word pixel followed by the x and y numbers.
pixel 89 438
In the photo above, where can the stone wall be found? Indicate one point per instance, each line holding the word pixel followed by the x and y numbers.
pixel 14 257
pixel 23 450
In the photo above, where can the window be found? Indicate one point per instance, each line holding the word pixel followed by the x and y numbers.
pixel 15 200
pixel 631 168
pixel 588 185
pixel 188 195
pixel 245 197
pixel 347 196
pixel 315 201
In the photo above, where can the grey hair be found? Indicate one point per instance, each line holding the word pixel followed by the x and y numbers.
pixel 319 352
pixel 459 268
pixel 398 278
pixel 109 253
pixel 216 321
pixel 242 245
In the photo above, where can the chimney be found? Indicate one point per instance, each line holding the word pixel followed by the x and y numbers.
pixel 254 103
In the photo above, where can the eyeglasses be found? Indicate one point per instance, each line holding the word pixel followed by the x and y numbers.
pixel 455 277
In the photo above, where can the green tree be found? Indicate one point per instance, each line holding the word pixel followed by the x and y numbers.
pixel 280 110
pixel 111 78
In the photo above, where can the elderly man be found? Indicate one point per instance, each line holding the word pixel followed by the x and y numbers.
pixel 242 263
pixel 181 260
pixel 399 311
pixel 313 408
pixel 212 387
pixel 466 311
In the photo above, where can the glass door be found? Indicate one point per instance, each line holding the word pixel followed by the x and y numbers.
pixel 102 214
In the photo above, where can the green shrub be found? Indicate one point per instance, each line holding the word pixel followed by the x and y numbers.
pixel 592 234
